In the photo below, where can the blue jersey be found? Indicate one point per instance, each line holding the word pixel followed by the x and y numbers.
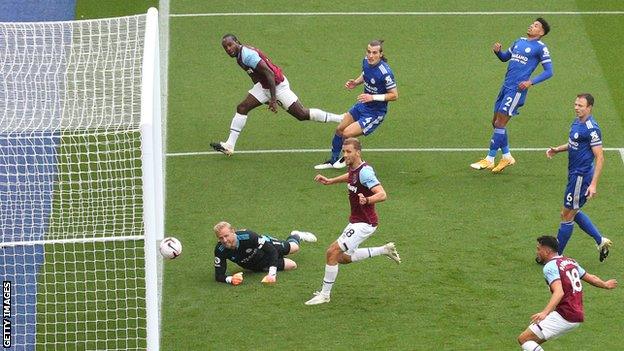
pixel 525 56
pixel 378 79
pixel 583 136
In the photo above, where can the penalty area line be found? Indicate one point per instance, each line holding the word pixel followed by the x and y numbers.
pixel 294 151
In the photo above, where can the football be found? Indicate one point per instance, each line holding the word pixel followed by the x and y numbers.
pixel 170 248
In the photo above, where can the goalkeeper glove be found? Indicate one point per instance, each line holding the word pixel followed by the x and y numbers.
pixel 271 277
pixel 235 279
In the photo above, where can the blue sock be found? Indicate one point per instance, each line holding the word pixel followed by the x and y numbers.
pixel 565 232
pixel 587 226
pixel 505 142
pixel 497 140
pixel 336 147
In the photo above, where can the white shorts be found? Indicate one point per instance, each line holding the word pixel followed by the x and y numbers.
pixel 353 235
pixel 553 326
pixel 283 94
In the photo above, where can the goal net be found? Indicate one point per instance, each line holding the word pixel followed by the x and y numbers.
pixel 81 184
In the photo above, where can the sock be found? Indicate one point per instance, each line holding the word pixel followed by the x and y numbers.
pixel 588 227
pixel 531 346
pixel 564 234
pixel 336 147
pixel 495 142
pixel 505 145
pixel 294 238
pixel 238 123
pixel 367 252
pixel 330 277
pixel 324 117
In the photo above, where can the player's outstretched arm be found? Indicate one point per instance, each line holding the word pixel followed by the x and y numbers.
pixel 552 151
pixel 327 181
pixel 599 283
pixel 352 83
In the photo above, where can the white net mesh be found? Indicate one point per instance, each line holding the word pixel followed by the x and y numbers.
pixel 71 211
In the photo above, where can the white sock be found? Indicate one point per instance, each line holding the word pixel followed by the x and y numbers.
pixel 489 158
pixel 330 277
pixel 324 117
pixel 531 346
pixel 367 252
pixel 238 123
pixel 507 155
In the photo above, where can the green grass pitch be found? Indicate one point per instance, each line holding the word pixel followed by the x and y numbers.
pixel 467 238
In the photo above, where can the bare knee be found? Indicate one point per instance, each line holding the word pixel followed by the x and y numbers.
pixel 243 108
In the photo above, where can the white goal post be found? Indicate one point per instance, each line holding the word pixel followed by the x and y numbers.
pixel 81 184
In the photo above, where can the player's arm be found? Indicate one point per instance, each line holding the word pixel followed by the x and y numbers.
pixel 546 62
pixel 352 83
pixel 552 151
pixel 598 164
pixel 555 298
pixel 599 283
pixel 269 76
pixel 327 181
pixel 504 56
pixel 379 195
pixel 220 263
pixel 390 95
pixel 271 253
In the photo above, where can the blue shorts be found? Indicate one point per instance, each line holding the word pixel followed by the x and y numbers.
pixel 368 119
pixel 510 100
pixel 574 197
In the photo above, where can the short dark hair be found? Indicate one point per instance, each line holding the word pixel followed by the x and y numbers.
pixel 545 24
pixel 588 97
pixel 549 241
pixel 231 36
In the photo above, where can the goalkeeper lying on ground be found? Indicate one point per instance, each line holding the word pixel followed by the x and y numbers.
pixel 254 252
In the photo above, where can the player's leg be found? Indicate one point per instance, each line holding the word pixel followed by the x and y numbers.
pixel 488 161
pixel 291 103
pixel 255 97
pixel 337 140
pixel 565 227
pixel 603 244
pixel 552 327
pixel 529 341
pixel 511 107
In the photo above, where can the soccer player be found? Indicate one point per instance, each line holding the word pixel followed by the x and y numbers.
pixel 270 86
pixel 364 192
pixel 564 310
pixel 371 107
pixel 523 55
pixel 584 147
pixel 258 253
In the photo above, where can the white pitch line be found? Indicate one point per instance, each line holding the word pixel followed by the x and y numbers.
pixel 434 13
pixel 293 151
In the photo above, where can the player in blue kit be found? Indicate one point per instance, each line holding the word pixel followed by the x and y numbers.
pixel 370 110
pixel 523 55
pixel 585 162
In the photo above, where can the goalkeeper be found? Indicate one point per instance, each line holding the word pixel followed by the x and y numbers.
pixel 258 253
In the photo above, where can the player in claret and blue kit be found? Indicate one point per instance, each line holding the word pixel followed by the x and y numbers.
pixel 523 55
pixel 270 86
pixel 564 311
pixel 370 110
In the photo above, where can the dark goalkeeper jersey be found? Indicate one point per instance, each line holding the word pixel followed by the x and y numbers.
pixel 253 252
